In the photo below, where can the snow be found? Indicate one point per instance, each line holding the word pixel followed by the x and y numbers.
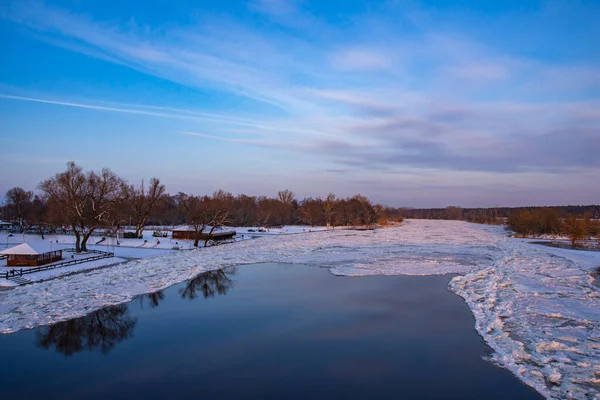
pixel 537 307
pixel 31 248
pixel 149 245
pixel 64 271
pixel 108 244
pixel 285 230
pixel 123 249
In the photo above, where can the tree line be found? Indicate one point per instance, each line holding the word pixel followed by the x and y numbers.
pixel 86 202
pixel 552 221
pixel 492 215
pixel 575 222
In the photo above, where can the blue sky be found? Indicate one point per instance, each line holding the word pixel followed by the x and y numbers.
pixel 470 103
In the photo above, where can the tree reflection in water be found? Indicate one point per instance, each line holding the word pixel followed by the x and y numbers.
pixel 104 329
pixel 154 299
pixel 209 284
pixel 101 330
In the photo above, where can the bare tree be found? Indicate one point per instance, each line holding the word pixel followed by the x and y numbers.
pixel 284 208
pixel 218 217
pixel 357 210
pixel 286 196
pixel 66 191
pixel 382 214
pixel 196 213
pixel 143 201
pixel 204 212
pixel 85 200
pixel 115 219
pixel 330 210
pixel 264 211
pixel 244 210
pixel 226 198
pixel 103 194
pixel 35 213
pixel 19 198
pixel 312 211
pixel 576 227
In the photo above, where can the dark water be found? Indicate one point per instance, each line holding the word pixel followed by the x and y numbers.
pixel 265 331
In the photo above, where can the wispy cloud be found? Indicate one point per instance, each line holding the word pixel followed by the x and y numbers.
pixel 387 91
pixel 227 139
pixel 361 59
pixel 173 113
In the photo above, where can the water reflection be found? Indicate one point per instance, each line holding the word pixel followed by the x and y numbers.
pixel 153 299
pixel 209 284
pixel 103 329
pixel 100 330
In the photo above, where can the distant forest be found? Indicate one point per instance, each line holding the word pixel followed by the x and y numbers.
pixel 493 214
pixel 575 222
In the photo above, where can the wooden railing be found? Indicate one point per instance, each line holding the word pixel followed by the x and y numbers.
pixel 21 271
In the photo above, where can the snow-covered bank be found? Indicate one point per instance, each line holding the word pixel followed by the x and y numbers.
pixel 136 248
pixel 536 306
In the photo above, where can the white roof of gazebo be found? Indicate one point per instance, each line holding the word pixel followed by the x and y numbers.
pixel 31 248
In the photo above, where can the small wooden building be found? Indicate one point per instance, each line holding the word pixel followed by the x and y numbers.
pixel 32 254
pixel 189 234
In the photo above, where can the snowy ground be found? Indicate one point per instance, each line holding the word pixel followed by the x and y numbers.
pixel 127 249
pixel 123 254
pixel 62 271
pixel 537 307
pixel 158 245
pixel 134 248
pixel 286 230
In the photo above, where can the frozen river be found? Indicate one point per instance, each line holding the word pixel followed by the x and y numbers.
pixel 275 331
pixel 537 307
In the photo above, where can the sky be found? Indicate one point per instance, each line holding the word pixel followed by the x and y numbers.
pixel 418 104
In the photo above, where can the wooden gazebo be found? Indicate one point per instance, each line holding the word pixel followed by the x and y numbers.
pixel 32 254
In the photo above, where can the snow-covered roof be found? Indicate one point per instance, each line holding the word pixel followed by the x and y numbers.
pixel 31 248
pixel 5 223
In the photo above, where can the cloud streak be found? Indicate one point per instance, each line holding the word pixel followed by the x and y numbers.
pixel 178 114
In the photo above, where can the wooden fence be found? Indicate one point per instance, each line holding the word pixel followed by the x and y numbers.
pixel 21 272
